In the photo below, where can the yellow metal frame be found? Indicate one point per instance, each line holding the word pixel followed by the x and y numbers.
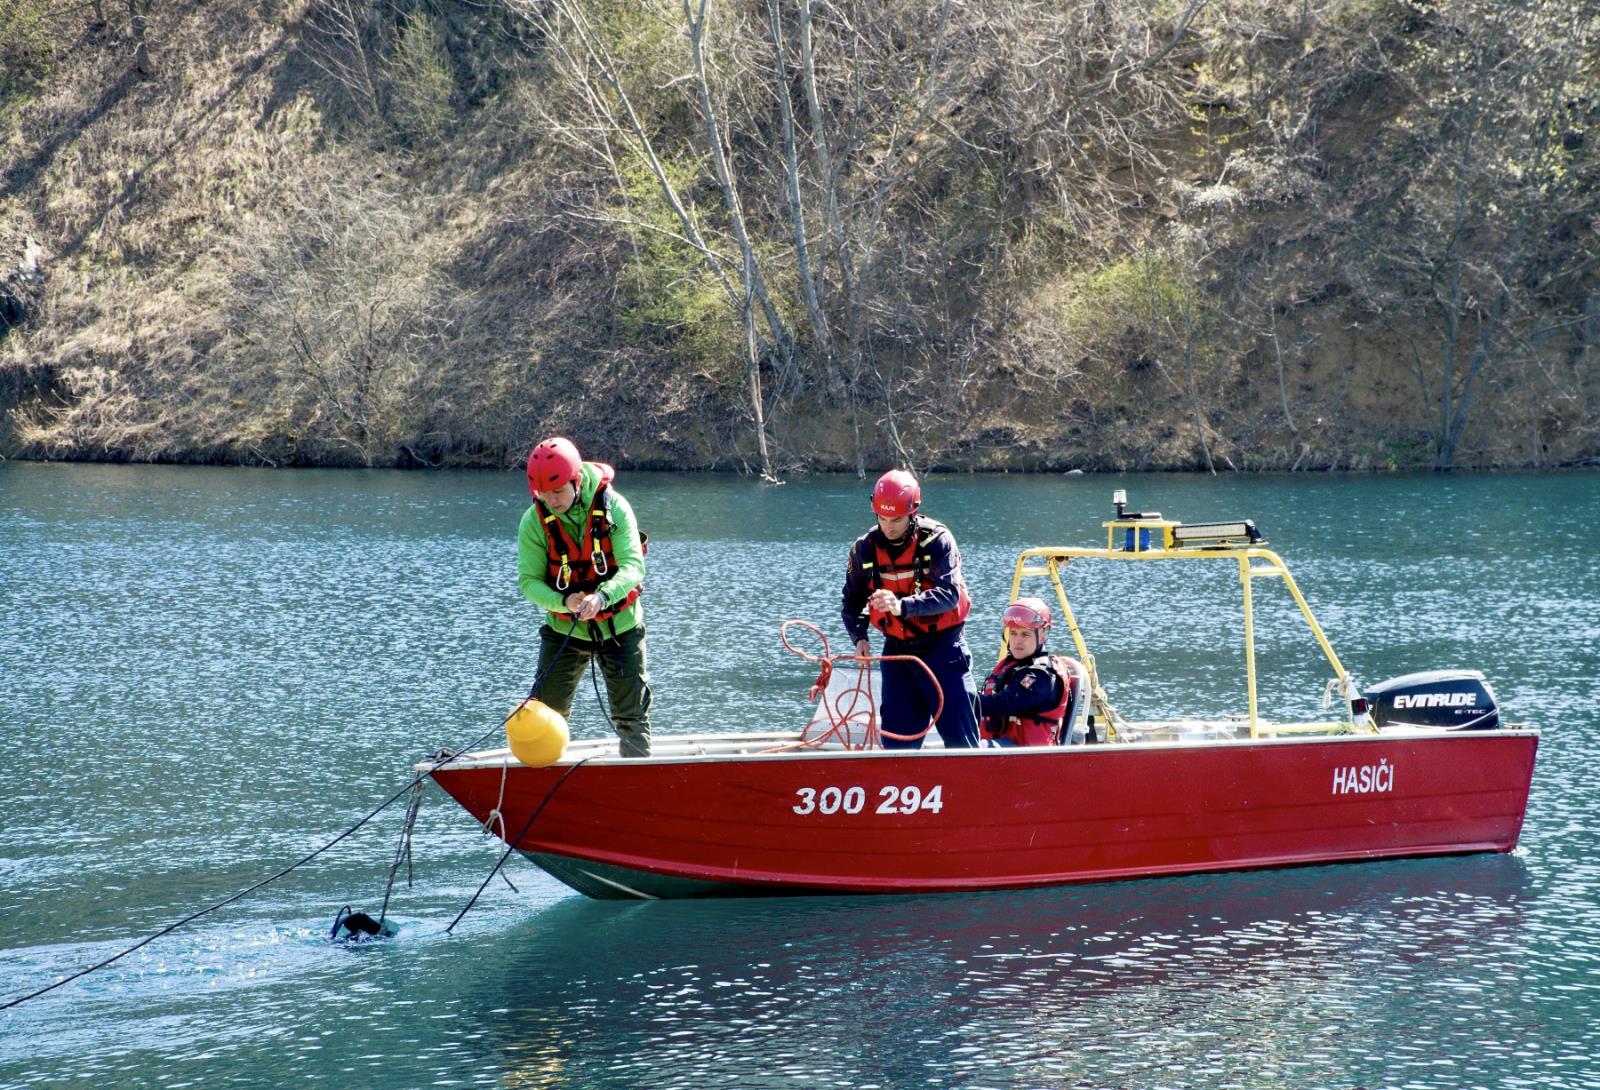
pixel 1254 562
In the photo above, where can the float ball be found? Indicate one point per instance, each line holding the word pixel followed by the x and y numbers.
pixel 537 734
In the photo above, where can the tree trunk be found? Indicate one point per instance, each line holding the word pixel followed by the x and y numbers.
pixel 755 283
pixel 791 164
pixel 753 369
pixel 1194 386
pixel 1277 351
pixel 838 241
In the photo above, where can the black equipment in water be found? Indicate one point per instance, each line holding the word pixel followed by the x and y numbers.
pixel 357 926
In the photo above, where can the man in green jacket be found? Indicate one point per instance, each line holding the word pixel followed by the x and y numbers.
pixel 580 557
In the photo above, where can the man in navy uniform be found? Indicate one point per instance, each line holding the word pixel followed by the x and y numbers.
pixel 904 578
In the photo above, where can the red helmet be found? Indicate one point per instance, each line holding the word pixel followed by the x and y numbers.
pixel 553 463
pixel 896 494
pixel 1027 613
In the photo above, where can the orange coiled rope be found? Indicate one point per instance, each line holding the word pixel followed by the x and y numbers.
pixel 850 711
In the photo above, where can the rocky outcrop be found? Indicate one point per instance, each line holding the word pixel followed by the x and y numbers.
pixel 21 280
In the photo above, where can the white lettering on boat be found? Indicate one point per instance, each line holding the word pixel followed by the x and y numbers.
pixel 852 800
pixel 1364 779
pixel 1436 700
pixel 908 800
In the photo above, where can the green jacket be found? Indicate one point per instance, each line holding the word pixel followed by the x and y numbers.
pixel 533 575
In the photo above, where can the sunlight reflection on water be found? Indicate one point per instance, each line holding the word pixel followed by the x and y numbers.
pixel 210 673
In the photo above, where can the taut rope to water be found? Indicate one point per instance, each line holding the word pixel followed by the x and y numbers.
pixel 441 758
pixel 511 845
pixel 243 893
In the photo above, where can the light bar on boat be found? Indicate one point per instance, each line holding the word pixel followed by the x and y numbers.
pixel 1241 530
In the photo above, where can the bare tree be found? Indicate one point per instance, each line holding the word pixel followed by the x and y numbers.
pixel 341 42
pixel 877 171
pixel 808 275
pixel 588 65
pixel 1460 247
pixel 340 320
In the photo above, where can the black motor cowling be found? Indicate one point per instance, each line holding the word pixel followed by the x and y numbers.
pixel 1452 699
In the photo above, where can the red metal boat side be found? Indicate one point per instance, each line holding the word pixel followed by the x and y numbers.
pixel 1006 819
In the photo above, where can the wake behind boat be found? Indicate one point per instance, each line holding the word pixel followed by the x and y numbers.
pixel 1418 765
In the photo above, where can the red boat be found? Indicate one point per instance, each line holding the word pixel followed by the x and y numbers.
pixel 1420 765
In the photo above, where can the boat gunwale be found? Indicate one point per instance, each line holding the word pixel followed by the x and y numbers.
pixel 678 750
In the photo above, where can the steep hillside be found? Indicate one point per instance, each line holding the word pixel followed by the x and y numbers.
pixel 798 235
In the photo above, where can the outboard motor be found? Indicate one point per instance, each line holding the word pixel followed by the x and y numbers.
pixel 1451 699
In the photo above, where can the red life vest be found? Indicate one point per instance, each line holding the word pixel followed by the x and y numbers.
pixel 581 567
pixel 903 568
pixel 1041 727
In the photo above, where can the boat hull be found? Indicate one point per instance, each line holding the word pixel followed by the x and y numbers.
pixel 745 824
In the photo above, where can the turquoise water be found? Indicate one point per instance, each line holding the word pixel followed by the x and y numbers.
pixel 206 674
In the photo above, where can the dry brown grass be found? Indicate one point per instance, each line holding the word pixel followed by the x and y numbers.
pixel 246 265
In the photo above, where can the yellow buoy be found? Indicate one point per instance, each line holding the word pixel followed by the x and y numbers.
pixel 537 734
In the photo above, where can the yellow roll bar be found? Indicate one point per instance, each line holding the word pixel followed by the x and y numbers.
pixel 1254 562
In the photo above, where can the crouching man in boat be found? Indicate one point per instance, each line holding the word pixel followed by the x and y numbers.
pixel 1025 696
pixel 904 576
pixel 580 557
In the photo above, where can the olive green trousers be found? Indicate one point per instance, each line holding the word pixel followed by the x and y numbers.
pixel 622 662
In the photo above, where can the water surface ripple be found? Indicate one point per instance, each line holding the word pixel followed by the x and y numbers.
pixel 205 674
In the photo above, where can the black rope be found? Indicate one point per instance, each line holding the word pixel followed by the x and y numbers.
pixel 170 928
pixel 514 841
pixel 443 757
pixel 603 704
pixel 601 643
